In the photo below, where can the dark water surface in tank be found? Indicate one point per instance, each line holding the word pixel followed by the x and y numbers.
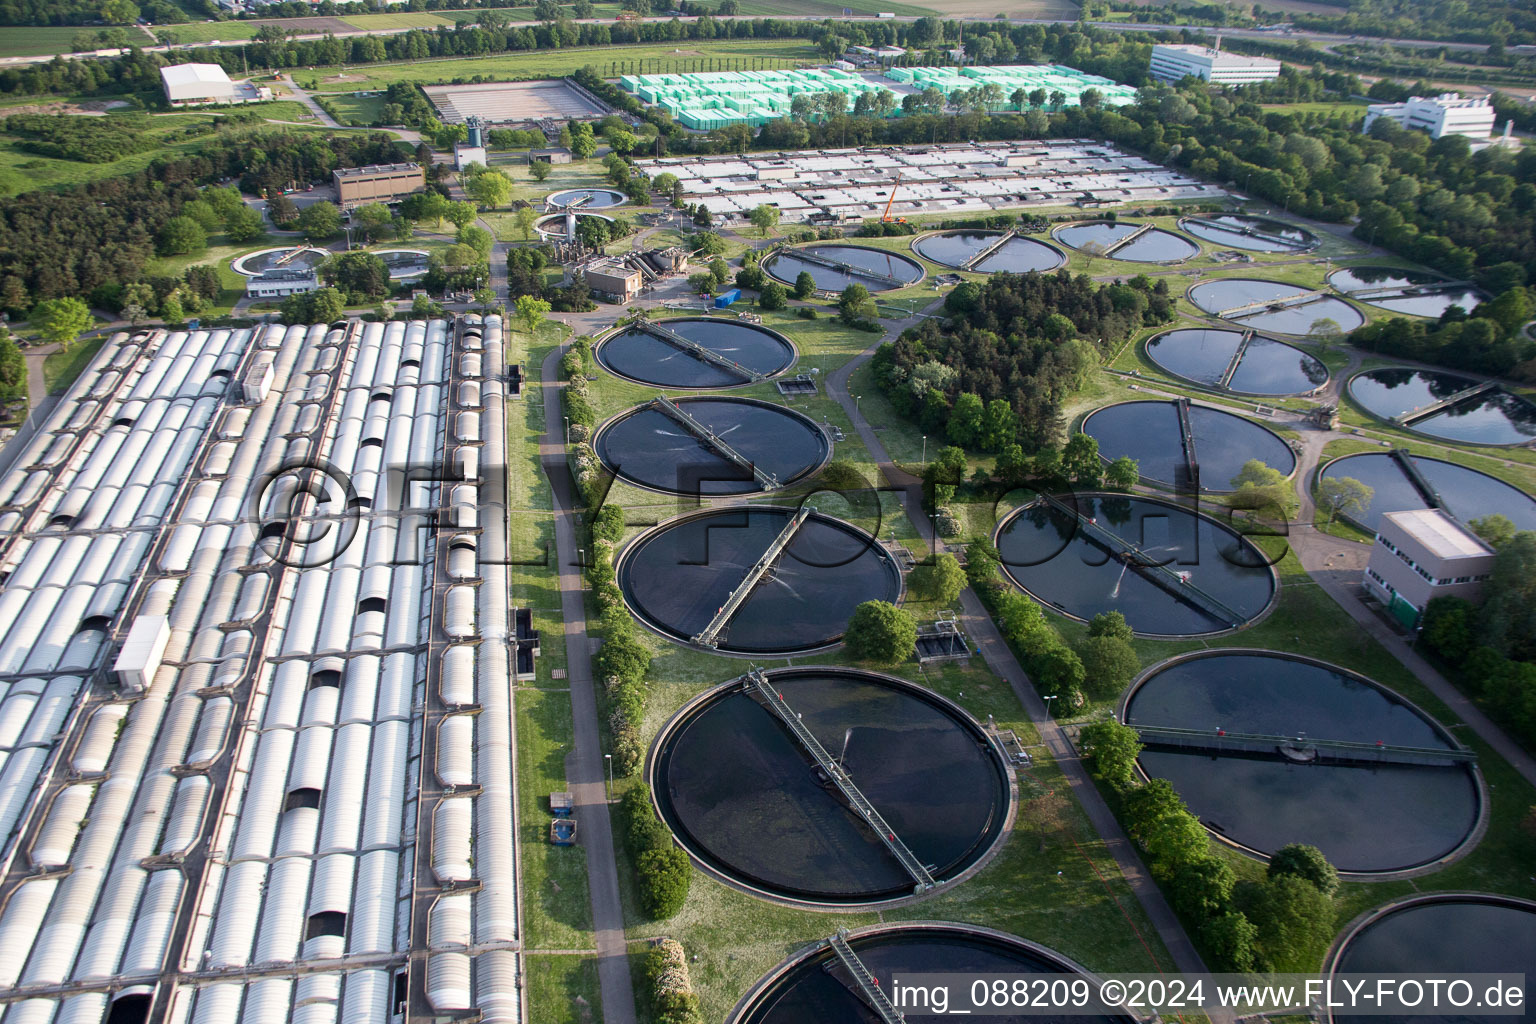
pixel 742 795
pixel 678 575
pixel 1492 417
pixel 1364 818
pixel 640 355
pixel 1467 493
pixel 1232 293
pixel 786 266
pixel 808 993
pixel 596 198
pixel 1368 279
pixel 651 448
pixel 1017 255
pixel 1149 433
pixel 1450 935
pixel 1268 367
pixel 1233 231
pixel 1155 246
pixel 1045 552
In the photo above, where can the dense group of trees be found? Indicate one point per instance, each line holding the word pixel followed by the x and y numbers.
pixel 1490 340
pixel 91 140
pixel 1015 348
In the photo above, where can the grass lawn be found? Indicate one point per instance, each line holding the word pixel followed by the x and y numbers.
pixel 61 368
pixel 361 111
pixel 556 63
pixel 563 989
pixel 556 905
pixel 41 40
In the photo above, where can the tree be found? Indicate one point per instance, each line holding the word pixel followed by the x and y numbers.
pixel 531 312
pixel 1110 624
pixel 621 140
pixel 880 632
pixel 1345 494
pixel 374 220
pixel 1122 474
pixel 664 875
pixel 583 143
pixel 13 365
pixel 283 210
pixel 965 419
pixel 539 169
pixel 940 581
pixel 1307 863
pixel 525 218
pixel 855 304
pixel 719 272
pixel 1496 529
pixel 1294 922
pixel 477 238
pixel 180 236
pixel 1011 465
pixel 1230 938
pixel 119 12
pixel 138 294
pixel 805 285
pixel 361 274
pixel 171 310
pixel 764 217
pixel 320 221
pixel 772 296
pixel 1202 888
pixel 61 321
pixel 326 305
pixel 1080 460
pixel 459 213
pixel 1325 331
pixel 1109 664
pixel 243 224
pixel 1160 822
pixel 1112 749
pixel 490 189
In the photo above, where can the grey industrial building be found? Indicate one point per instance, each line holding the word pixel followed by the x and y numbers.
pixel 256 656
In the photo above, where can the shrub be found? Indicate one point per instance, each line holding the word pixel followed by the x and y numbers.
pixel 805 313
pixel 881 632
pixel 1307 863
pixel 1109 664
pixel 608 524
pixel 663 876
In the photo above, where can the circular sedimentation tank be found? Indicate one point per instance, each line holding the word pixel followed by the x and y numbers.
pixel 1017 255
pixel 1170 571
pixel 1417 400
pixel 834 267
pixel 1267 367
pixel 649 357
pixel 1466 493
pixel 1269 749
pixel 811 987
pixel 1255 234
pixel 404 264
pixel 1148 431
pixel 650 446
pixel 1253 304
pixel 591 198
pixel 287 258
pixel 552 225
pixel 1404 291
pixel 746 801
pixel 1442 934
pixel 678 576
pixel 1109 238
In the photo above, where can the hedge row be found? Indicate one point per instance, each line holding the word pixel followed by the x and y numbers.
pixel 672 994
pixel 662 870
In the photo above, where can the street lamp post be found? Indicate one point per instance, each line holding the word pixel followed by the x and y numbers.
pixel 925 448
pixel 1048 704
pixel 609 790
pixel 856 402
pixel 567 431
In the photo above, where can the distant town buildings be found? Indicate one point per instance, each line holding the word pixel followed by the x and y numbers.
pixel 1422 554
pixel 376 183
pixel 195 84
pixel 1171 62
pixel 1446 114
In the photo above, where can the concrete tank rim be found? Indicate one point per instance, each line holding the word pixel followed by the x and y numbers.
pixel 1146 349
pixel 623 328
pixel 939 232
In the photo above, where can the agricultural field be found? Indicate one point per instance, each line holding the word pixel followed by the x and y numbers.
pixel 43 40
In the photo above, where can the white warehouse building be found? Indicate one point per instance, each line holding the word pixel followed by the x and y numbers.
pixel 1446 114
pixel 1172 62
pixel 307 814
pixel 190 84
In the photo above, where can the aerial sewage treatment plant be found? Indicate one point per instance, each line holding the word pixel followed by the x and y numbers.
pixel 831 786
pixel 695 353
pixel 1269 749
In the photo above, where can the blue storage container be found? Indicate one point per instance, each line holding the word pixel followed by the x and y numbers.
pixel 727 298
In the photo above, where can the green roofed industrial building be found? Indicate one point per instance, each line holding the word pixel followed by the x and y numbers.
pixel 717 99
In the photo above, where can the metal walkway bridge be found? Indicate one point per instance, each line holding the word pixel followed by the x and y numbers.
pixel 1237 357
pixel 1301 748
pixel 767 481
pixel 1121 243
pixel 989 250
pixel 1416 477
pixel 758 685
pixel 1425 411
pixel 1150 568
pixel 1191 479
pixel 1264 236
pixel 845 267
pixel 709 636
pixel 1284 301
pixel 1409 290
pixel 863 979
pixel 698 351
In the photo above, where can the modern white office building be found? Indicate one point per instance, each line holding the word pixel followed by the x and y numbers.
pixel 1171 62
pixel 1422 554
pixel 1446 114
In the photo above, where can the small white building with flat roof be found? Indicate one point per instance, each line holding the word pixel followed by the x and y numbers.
pixel 1173 61
pixel 1446 114
pixel 1421 554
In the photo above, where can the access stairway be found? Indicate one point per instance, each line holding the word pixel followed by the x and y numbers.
pixel 1284 301
pixel 1121 243
pixel 988 251
pixel 1147 566
pixel 758 686
pixel 698 351
pixel 1301 749
pixel 1425 411
pixel 847 268
pixel 709 636
pixel 1237 357
pixel 767 481
pixel 864 981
